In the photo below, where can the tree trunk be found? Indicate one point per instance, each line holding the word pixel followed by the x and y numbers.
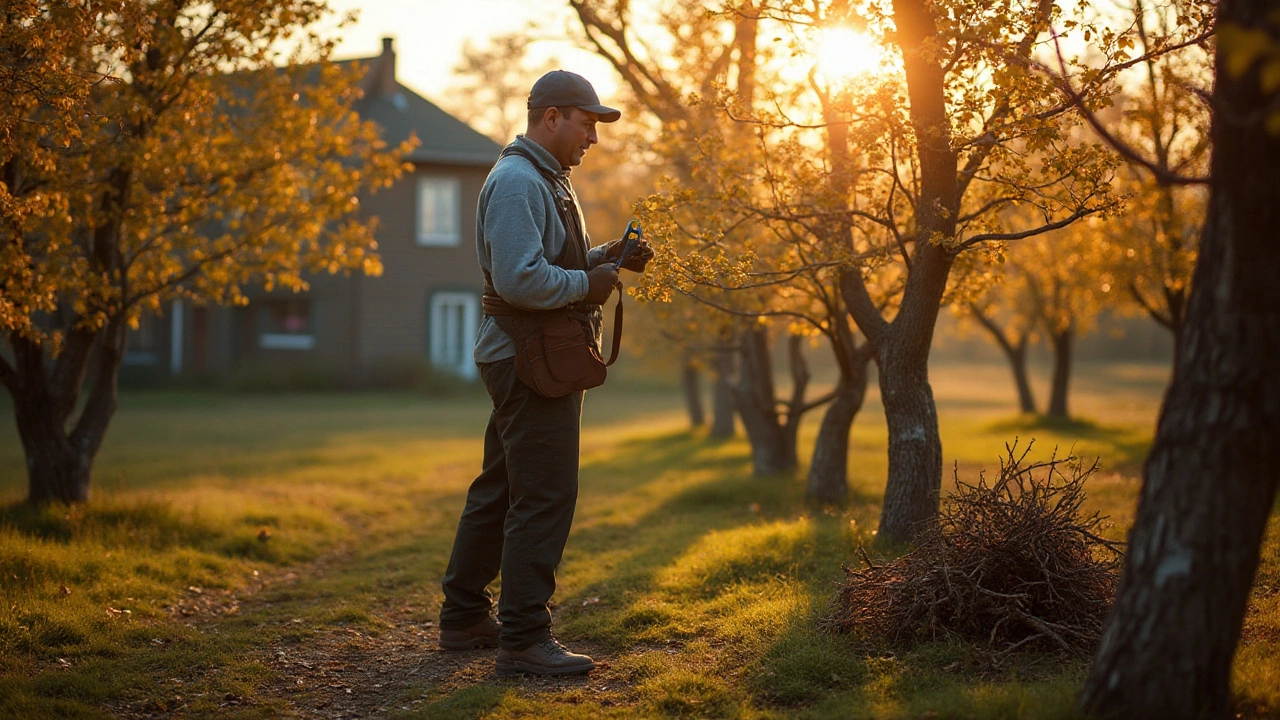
pixel 59 463
pixel 722 412
pixel 1210 479
pixel 57 471
pixel 1021 380
pixel 1015 353
pixel 829 469
pixel 912 491
pixel 796 408
pixel 902 347
pixel 691 382
pixel 902 358
pixel 1063 347
pixel 757 406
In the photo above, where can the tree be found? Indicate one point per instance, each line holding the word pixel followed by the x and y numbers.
pixel 1003 308
pixel 491 83
pixel 967 153
pixel 1164 115
pixel 876 187
pixel 1209 483
pixel 707 241
pixel 185 164
pixel 709 50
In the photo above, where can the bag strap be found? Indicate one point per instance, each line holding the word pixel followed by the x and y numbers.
pixel 568 212
pixel 617 330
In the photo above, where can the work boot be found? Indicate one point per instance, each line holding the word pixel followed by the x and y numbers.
pixel 545 657
pixel 483 634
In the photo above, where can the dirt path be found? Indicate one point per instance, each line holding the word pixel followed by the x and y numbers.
pixel 350 675
pixel 344 672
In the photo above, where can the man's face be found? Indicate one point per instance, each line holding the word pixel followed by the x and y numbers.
pixel 571 135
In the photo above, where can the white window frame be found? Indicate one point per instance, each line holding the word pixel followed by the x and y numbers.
pixel 286 341
pixel 442 226
pixel 291 340
pixel 454 318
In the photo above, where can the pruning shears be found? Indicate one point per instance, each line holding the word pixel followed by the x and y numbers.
pixel 630 241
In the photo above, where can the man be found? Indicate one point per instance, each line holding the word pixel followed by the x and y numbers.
pixel 535 256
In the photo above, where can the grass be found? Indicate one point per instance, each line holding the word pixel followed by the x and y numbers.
pixel 250 556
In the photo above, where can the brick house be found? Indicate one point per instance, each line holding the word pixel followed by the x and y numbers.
pixel 425 307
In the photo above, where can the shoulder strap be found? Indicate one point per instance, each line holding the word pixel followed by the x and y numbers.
pixel 575 237
pixel 574 250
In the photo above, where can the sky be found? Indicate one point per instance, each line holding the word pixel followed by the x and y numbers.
pixel 429 35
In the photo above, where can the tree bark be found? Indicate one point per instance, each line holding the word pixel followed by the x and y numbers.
pixel 1063 344
pixel 60 461
pixel 722 412
pixel 1022 381
pixel 56 470
pixel 1015 352
pixel 1210 479
pixel 756 403
pixel 911 494
pixel 691 383
pixel 829 468
pixel 902 346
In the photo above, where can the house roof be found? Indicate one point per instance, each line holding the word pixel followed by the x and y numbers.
pixel 399 111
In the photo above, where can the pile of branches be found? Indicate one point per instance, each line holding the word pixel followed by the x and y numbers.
pixel 1012 564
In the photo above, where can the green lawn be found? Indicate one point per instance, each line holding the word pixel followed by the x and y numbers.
pixel 266 556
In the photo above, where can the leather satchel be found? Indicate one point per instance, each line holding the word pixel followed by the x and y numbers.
pixel 556 351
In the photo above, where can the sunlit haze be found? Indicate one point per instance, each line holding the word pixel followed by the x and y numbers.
pixel 429 36
pixel 845 53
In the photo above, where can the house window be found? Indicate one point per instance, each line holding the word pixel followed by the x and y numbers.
pixel 142 346
pixel 285 324
pixel 454 318
pixel 439 211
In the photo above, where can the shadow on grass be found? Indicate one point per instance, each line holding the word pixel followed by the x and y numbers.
pixel 1125 447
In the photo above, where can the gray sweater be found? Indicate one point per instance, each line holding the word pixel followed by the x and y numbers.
pixel 518 236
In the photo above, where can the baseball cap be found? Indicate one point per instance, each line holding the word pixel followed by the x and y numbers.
pixel 561 88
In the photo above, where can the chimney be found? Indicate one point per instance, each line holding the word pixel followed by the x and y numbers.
pixel 382 73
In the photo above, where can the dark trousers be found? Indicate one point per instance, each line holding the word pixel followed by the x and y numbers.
pixel 518 510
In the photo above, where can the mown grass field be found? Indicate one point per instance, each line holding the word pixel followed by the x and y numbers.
pixel 280 556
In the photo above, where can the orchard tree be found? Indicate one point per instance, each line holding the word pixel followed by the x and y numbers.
pixel 1054 287
pixel 1209 483
pixel 683 69
pixel 491 83
pixel 875 185
pixel 1060 273
pixel 1000 302
pixel 1164 120
pixel 154 152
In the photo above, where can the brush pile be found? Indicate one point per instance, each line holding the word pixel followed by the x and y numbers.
pixel 1013 564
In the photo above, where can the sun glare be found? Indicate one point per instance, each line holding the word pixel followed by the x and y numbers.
pixel 845 53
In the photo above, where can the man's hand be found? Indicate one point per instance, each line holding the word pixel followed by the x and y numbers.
pixel 640 257
pixel 601 280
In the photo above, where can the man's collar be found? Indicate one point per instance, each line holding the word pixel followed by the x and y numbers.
pixel 543 157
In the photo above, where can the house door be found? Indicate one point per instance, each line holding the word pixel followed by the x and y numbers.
pixel 454 318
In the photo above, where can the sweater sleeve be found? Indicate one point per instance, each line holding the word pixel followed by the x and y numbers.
pixel 521 273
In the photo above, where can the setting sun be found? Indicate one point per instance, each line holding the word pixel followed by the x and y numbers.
pixel 845 53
